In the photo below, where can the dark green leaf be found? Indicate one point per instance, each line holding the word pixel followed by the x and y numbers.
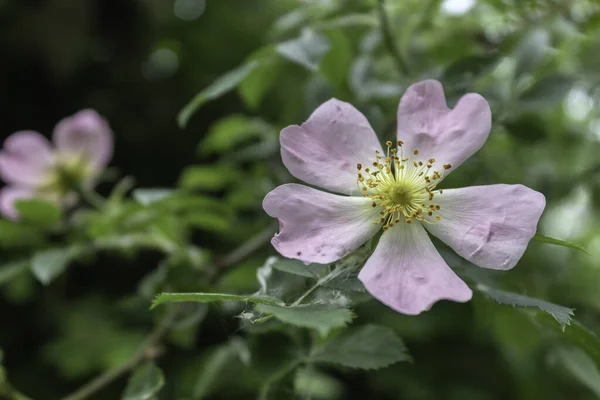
pixel 365 347
pixel 307 50
pixel 145 383
pixel 212 297
pixel 38 212
pixel 548 239
pixel 12 269
pixel 321 317
pixel 561 314
pixel 218 88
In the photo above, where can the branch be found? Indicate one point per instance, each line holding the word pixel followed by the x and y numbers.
pixel 146 351
pixel 388 38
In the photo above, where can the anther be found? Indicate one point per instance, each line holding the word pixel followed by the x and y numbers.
pixel 388 143
pixel 359 166
pixel 447 166
pixel 415 152
pixel 400 142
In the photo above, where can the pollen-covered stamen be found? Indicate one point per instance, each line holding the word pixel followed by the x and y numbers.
pixel 404 188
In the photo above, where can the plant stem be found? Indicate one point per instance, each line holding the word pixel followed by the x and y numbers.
pixel 388 38
pixel 264 390
pixel 243 251
pixel 144 353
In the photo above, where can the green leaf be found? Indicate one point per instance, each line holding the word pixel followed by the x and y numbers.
pixel 546 92
pixel 14 234
pixel 148 196
pixel 348 20
pixel 307 50
pixel 365 347
pixel 145 383
pixel 12 269
pixel 229 132
pixel 575 333
pixel 46 265
pixel 580 365
pixel 558 242
pixel 346 282
pixel 321 317
pixel 219 87
pixel 258 83
pixel 296 267
pixel 215 365
pixel 212 297
pixel 561 314
pixel 531 50
pixel 201 177
pixel 38 212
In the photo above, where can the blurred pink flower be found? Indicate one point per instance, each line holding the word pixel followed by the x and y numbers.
pixel 33 168
pixel 395 190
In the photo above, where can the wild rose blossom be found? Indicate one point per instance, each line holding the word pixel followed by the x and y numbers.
pixel 33 168
pixel 395 190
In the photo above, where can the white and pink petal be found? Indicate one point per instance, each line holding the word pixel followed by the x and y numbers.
pixel 489 225
pixel 319 227
pixel 9 195
pixel 25 158
pixel 450 136
pixel 85 135
pixel 406 272
pixel 325 150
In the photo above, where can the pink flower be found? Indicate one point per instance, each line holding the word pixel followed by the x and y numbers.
pixel 32 168
pixel 395 190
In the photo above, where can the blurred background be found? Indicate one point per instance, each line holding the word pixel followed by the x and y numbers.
pixel 140 62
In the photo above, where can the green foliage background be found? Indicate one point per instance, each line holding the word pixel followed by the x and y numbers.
pixel 196 93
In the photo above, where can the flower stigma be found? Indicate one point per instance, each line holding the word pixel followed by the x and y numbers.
pixel 403 187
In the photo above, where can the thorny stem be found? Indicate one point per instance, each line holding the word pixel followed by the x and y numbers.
pixel 388 38
pixel 146 351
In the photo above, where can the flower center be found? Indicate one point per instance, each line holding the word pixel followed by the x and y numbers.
pixel 64 177
pixel 403 187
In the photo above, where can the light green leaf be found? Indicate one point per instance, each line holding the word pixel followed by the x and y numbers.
pixel 561 314
pixel 321 317
pixel 531 50
pixel 581 366
pixel 310 383
pixel 38 212
pixel 148 196
pixel 46 265
pixel 548 239
pixel 258 83
pixel 307 50
pixel 229 132
pixel 365 347
pixel 219 87
pixel 145 383
pixel 14 234
pixel 296 267
pixel 348 20
pixel 201 177
pixel 212 297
